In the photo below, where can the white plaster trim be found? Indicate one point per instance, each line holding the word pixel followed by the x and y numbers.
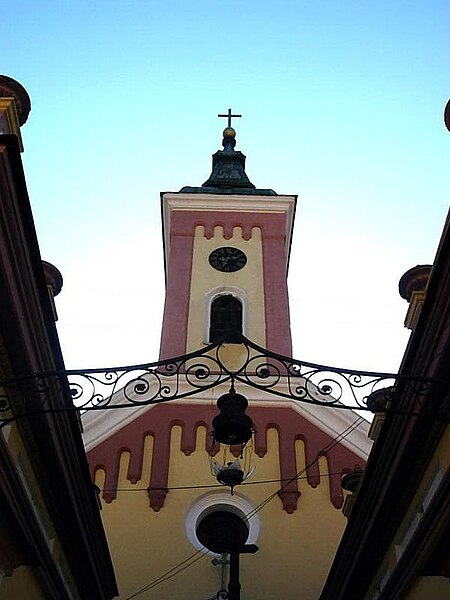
pixel 223 290
pixel 100 425
pixel 237 503
pixel 230 202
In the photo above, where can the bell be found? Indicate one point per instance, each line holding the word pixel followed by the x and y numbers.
pixel 232 426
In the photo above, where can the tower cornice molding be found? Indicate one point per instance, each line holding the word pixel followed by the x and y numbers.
pixel 219 202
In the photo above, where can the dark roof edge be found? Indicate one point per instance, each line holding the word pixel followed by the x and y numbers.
pixel 401 453
pixel 228 191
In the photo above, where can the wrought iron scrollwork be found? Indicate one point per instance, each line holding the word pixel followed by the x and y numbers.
pixel 341 388
pixel 197 372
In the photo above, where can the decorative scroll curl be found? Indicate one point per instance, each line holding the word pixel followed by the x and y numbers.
pixel 194 373
pixel 340 388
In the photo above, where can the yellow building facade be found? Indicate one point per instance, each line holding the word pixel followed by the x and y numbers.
pixel 226 256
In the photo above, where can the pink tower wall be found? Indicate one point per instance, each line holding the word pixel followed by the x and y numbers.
pixel 179 269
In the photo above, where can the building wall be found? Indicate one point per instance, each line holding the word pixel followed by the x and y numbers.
pixel 436 471
pixel 24 583
pixel 49 516
pixel 194 224
pixel 298 532
pixel 430 588
pixel 154 468
pixel 25 577
pixel 246 284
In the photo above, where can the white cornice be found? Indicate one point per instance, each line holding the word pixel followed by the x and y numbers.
pixel 229 202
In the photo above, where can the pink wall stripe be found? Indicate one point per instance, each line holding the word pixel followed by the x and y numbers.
pixel 176 310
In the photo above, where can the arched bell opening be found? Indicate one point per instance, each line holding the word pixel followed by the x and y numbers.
pixel 226 320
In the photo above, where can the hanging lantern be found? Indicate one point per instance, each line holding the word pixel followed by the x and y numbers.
pixel 230 474
pixel 232 426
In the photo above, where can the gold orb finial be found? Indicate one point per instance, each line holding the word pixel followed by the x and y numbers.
pixel 229 132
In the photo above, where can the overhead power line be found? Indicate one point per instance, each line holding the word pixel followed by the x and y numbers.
pixel 213 486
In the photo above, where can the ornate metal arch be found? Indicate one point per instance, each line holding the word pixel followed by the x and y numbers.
pixel 193 374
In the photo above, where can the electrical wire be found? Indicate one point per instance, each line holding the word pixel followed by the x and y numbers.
pixel 203 551
pixel 176 570
pixel 214 485
pixel 193 558
pixel 328 447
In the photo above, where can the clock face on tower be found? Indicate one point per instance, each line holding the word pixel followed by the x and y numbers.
pixel 227 259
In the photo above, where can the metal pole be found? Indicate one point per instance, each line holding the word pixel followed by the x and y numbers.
pixel 234 587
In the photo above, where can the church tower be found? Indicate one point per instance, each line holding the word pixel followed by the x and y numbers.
pixel 226 249
pixel 226 253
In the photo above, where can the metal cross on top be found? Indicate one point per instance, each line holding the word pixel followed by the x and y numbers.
pixel 229 115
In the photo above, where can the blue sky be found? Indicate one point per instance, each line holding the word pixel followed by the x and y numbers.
pixel 342 104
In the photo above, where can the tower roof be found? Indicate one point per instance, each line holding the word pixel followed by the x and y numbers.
pixel 228 174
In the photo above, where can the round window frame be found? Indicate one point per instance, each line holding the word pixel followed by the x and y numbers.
pixel 210 502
